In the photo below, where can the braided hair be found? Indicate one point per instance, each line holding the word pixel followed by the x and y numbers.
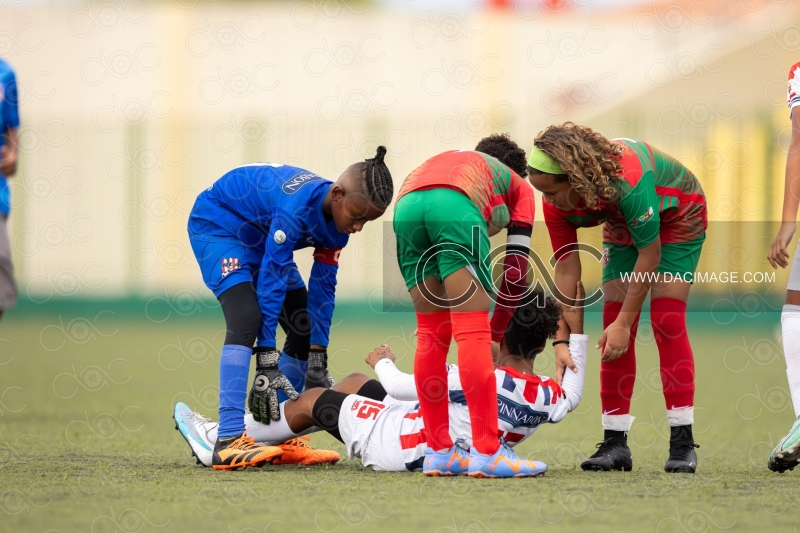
pixel 377 179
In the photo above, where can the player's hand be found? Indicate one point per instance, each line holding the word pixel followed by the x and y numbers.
pixel 263 399
pixel 613 342
pixel 563 361
pixel 381 352
pixel 317 374
pixel 777 252
pixel 8 161
pixel 574 319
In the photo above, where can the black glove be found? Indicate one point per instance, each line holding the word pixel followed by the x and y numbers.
pixel 263 400
pixel 317 374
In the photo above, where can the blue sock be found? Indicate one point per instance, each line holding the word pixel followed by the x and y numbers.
pixel 295 372
pixel 234 365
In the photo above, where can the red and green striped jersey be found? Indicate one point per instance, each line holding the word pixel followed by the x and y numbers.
pixel 657 196
pixel 500 194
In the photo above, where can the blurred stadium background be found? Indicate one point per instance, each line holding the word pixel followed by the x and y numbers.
pixel 129 110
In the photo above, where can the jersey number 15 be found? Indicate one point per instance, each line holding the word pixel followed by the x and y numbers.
pixel 369 409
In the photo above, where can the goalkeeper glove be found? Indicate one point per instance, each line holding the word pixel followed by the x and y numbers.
pixel 263 400
pixel 317 374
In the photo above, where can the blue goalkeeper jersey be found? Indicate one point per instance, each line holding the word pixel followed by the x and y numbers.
pixel 273 210
pixel 9 118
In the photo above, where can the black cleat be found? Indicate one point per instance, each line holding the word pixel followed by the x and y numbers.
pixel 612 454
pixel 682 458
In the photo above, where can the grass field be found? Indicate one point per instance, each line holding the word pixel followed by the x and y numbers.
pixel 87 442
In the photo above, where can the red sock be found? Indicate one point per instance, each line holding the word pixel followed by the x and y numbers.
pixel 618 376
pixel 668 316
pixel 430 375
pixel 473 336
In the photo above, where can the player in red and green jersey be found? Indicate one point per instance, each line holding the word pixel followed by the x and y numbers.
pixel 654 218
pixel 445 213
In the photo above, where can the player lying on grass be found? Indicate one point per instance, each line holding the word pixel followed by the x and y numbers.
pixel 445 213
pixel 786 454
pixel 653 213
pixel 380 422
pixel 244 230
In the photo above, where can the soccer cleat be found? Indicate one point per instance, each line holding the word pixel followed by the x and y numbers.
pixel 241 452
pixel 786 454
pixel 298 452
pixel 682 458
pixel 612 454
pixel 194 429
pixel 503 463
pixel 453 462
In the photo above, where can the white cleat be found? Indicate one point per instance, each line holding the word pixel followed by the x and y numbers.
pixel 194 428
pixel 786 454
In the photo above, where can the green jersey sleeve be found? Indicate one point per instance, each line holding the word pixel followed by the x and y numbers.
pixel 639 205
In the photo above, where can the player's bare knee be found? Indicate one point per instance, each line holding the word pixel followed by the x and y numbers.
pixel 352 383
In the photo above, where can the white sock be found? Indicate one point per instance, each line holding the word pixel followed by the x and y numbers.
pixel 790 332
pixel 682 416
pixel 617 422
pixel 272 433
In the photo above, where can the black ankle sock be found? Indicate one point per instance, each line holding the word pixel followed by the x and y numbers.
pixel 681 433
pixel 610 434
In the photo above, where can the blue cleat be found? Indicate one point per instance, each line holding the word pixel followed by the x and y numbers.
pixel 503 463
pixel 453 462
pixel 194 429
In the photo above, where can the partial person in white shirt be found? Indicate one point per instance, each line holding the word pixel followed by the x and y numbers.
pixel 380 423
pixel 786 455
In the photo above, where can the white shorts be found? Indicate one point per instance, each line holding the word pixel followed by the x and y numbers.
pixel 794 272
pixel 371 432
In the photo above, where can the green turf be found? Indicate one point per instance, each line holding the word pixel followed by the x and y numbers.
pixel 87 442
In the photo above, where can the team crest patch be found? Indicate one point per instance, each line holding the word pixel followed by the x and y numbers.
pixel 605 257
pixel 229 265
pixel 355 405
pixel 644 218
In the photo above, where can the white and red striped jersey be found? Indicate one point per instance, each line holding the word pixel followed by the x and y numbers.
pixel 524 402
pixel 793 97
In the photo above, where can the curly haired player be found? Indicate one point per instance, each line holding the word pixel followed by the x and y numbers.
pixel 380 423
pixel 445 212
pixel 654 214
pixel 244 230
pixel 786 454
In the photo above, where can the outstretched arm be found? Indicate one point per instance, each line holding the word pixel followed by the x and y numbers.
pixel 572 382
pixel 398 385
pixel 567 278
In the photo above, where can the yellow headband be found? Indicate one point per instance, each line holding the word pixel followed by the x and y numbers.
pixel 543 162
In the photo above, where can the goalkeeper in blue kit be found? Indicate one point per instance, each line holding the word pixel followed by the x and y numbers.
pixel 244 230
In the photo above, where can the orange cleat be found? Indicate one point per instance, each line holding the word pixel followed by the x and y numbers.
pixel 241 452
pixel 299 452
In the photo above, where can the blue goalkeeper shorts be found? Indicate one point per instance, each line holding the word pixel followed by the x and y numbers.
pixel 225 263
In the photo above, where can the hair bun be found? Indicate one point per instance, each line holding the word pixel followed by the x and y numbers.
pixel 379 154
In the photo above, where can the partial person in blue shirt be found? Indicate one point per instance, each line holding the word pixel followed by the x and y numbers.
pixel 244 230
pixel 9 142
